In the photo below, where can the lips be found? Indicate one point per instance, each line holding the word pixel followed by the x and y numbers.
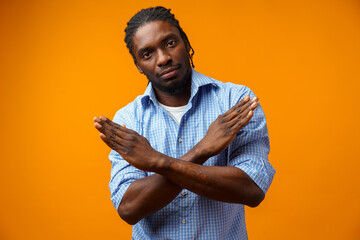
pixel 169 72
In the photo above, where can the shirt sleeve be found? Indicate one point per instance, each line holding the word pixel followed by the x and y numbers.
pixel 122 173
pixel 249 150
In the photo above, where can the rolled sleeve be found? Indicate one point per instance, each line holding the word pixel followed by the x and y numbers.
pixel 122 173
pixel 256 167
pixel 249 151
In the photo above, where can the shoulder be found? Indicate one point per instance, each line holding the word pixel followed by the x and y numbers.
pixel 235 92
pixel 131 114
pixel 228 93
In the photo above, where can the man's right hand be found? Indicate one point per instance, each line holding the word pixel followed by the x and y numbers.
pixel 224 129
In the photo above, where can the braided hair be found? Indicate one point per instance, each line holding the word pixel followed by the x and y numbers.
pixel 150 15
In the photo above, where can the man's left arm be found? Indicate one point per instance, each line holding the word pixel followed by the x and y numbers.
pixel 228 184
pixel 245 179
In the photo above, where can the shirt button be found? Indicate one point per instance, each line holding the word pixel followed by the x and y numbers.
pixel 180 140
pixel 183 221
pixel 183 193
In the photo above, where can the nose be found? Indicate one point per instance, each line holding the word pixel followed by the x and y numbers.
pixel 164 58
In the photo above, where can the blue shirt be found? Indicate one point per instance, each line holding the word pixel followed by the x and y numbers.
pixel 190 216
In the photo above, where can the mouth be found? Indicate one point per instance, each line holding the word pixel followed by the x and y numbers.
pixel 169 72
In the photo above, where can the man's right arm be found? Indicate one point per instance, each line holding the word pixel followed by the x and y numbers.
pixel 147 195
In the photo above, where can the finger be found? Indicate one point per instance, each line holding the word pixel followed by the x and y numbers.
pixel 115 129
pixel 122 127
pixel 98 126
pixel 249 105
pixel 118 139
pixel 242 122
pixel 108 121
pixel 125 134
pixel 240 103
pixel 96 119
pixel 255 99
pixel 107 141
pixel 238 110
pixel 112 131
pixel 253 105
pixel 113 124
pixel 112 143
pixel 109 125
pixel 245 112
pixel 231 113
pixel 239 117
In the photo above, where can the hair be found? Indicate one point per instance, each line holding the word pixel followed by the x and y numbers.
pixel 149 15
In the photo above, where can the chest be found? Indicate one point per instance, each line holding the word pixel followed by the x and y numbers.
pixel 173 139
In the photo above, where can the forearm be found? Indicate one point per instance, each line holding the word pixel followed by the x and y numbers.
pixel 146 196
pixel 225 183
pixel 150 194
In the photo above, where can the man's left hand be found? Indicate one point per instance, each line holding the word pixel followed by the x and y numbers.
pixel 135 149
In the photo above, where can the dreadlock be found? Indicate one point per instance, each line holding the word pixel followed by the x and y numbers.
pixel 150 15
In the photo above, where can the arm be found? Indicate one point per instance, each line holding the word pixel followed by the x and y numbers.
pixel 147 195
pixel 217 183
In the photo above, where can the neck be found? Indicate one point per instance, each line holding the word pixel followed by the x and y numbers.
pixel 175 100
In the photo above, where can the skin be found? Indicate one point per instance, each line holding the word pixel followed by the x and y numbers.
pixel 157 47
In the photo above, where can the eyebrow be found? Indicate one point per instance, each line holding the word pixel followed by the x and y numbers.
pixel 166 38
pixel 145 49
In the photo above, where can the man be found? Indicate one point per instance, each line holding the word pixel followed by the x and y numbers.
pixel 188 153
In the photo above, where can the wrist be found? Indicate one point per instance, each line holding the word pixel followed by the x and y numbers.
pixel 162 163
pixel 201 153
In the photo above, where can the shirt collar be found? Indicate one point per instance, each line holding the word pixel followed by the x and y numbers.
pixel 197 80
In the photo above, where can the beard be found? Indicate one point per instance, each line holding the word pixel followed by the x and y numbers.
pixel 172 89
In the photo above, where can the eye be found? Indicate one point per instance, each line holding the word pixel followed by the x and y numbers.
pixel 146 55
pixel 171 43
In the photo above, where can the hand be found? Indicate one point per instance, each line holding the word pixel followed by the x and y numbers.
pixel 224 129
pixel 135 149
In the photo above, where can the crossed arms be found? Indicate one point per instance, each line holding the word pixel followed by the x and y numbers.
pixel 150 194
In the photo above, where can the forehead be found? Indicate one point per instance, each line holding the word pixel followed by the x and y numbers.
pixel 152 33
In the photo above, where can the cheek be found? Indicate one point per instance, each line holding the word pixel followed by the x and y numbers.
pixel 182 53
pixel 147 67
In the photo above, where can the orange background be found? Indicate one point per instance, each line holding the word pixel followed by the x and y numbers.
pixel 64 62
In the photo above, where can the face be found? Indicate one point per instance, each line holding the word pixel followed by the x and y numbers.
pixel 162 55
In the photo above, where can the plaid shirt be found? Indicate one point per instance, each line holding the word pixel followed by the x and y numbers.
pixel 190 216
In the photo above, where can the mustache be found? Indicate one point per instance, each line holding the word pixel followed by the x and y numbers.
pixel 168 69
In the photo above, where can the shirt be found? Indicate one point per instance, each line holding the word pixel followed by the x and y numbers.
pixel 175 112
pixel 190 216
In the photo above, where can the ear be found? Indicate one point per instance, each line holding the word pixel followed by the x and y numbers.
pixel 187 45
pixel 138 67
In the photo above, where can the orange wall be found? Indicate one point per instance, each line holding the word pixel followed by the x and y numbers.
pixel 64 62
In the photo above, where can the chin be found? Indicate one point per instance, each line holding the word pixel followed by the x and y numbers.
pixel 173 88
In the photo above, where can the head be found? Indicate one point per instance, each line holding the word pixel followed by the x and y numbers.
pixel 149 15
pixel 160 49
